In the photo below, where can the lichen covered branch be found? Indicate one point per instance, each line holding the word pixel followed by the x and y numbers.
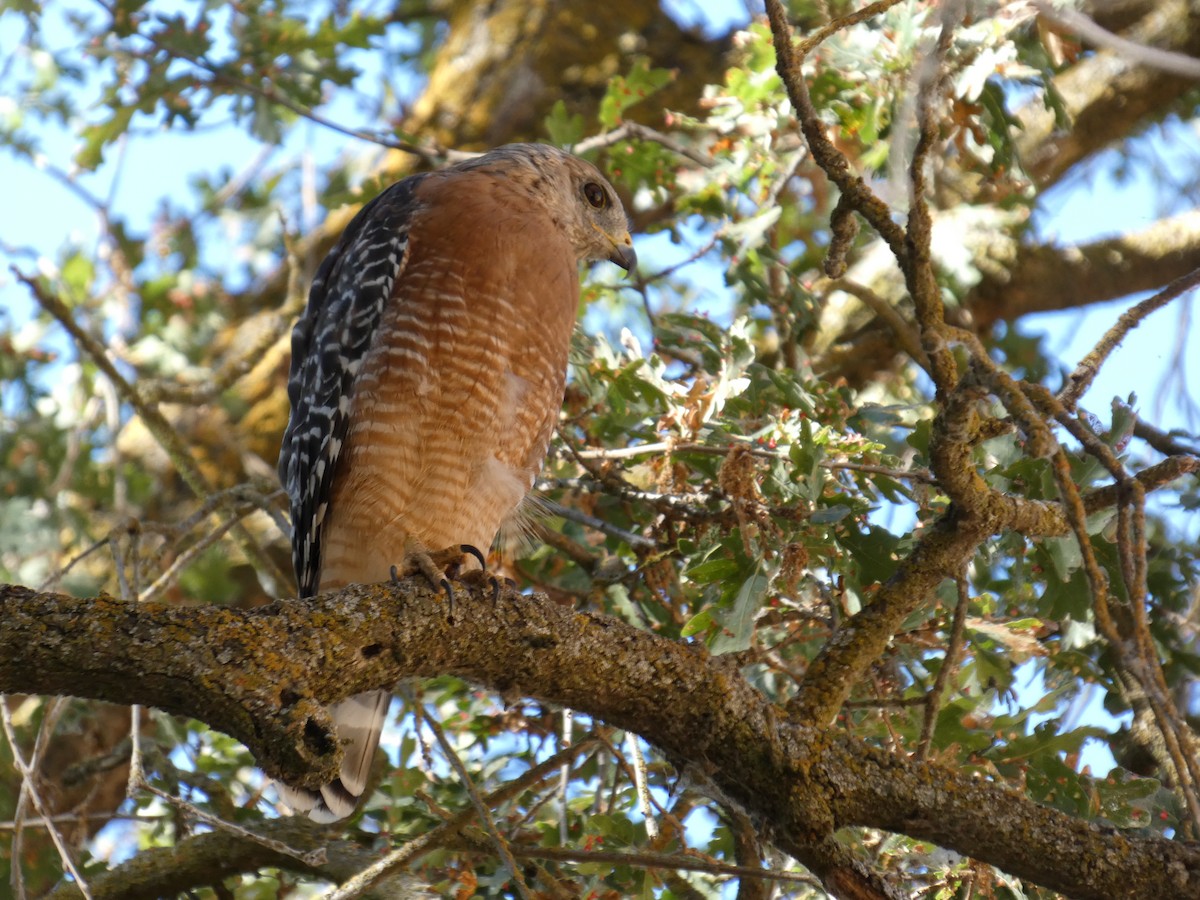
pixel 261 675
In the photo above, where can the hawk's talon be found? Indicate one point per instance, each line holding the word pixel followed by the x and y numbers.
pixel 445 585
pixel 441 567
pixel 420 562
pixel 475 552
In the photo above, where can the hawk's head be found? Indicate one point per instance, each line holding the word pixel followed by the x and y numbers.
pixel 577 196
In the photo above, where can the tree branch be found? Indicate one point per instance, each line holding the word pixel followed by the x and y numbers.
pixel 261 675
pixel 216 855
pixel 1108 96
pixel 1091 31
pixel 1085 372
pixel 1044 277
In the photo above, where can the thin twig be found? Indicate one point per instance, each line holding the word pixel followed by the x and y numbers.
pixel 826 155
pixel 1144 665
pixel 885 702
pixel 190 555
pixel 841 23
pixel 683 862
pixel 695 256
pixel 627 130
pixel 642 785
pixel 1166 444
pixel 481 809
pixel 28 784
pixel 229 372
pixel 78 773
pixel 162 430
pixel 564 777
pixel 626 452
pixel 1146 671
pixel 1081 379
pixel 436 837
pixel 923 475
pixel 430 154
pixel 1151 479
pixel 58 574
pixel 240 495
pixel 1175 383
pixel 576 515
pixel 73 818
pixel 314 858
pixel 54 709
pixel 901 328
pixel 626 768
pixel 919 271
pixel 933 700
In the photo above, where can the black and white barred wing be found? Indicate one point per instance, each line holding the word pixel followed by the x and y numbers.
pixel 331 338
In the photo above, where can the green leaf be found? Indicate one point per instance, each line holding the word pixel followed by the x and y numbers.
pixel 713 570
pixel 830 514
pixel 738 623
pixel 629 90
pixel 77 273
pixel 1064 554
pixel 697 624
pixel 97 137
pixel 1124 419
pixel 871 552
pixel 264 122
pixel 563 129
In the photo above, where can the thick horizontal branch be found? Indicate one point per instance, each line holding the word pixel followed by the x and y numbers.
pixel 211 857
pixel 261 675
pixel 1020 280
pixel 1108 96
pixel 1044 277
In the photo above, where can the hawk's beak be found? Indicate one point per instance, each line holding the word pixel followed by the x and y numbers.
pixel 623 253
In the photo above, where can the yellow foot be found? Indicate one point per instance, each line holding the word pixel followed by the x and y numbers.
pixel 482 573
pixel 442 565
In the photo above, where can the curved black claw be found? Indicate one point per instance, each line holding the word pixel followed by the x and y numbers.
pixel 474 551
pixel 395 575
pixel 445 586
pixel 492 580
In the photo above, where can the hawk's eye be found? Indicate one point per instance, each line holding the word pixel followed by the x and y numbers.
pixel 595 195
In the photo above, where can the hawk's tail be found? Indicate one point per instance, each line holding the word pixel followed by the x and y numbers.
pixel 359 722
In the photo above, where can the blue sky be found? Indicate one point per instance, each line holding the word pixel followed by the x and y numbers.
pixel 1108 203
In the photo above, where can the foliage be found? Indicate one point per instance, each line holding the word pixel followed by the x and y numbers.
pixel 716 478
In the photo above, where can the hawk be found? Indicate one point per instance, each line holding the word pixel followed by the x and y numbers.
pixel 427 375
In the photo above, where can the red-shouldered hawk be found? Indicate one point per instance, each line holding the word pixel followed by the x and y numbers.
pixel 427 375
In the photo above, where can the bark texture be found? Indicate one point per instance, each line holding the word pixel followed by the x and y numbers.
pixel 261 676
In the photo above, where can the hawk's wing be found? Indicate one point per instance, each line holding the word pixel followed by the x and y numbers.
pixel 330 339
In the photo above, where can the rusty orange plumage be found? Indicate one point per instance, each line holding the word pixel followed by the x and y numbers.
pixel 427 375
